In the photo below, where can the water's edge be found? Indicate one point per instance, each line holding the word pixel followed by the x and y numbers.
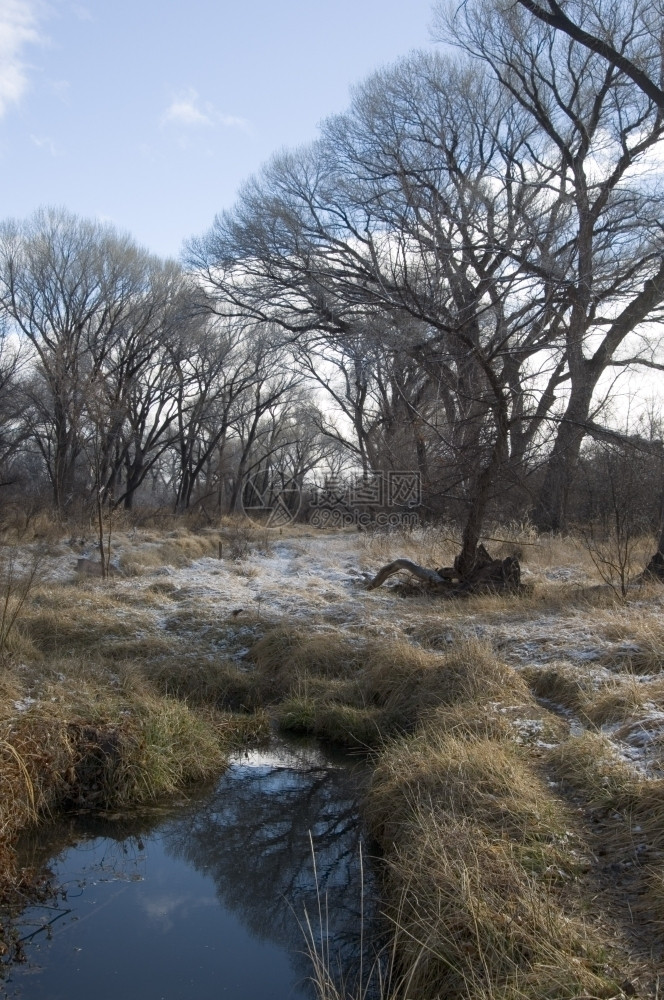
pixel 206 897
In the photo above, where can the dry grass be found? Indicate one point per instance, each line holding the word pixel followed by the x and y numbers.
pixel 347 725
pixel 90 715
pixel 623 698
pixel 356 691
pixel 637 624
pixel 179 548
pixel 479 862
pixel 483 779
pixel 641 630
pixel 484 859
pixel 476 843
pixel 431 545
pixel 19 525
pixel 232 541
pixel 436 546
pixel 218 682
pixel 409 682
pixel 560 684
pixel 627 830
pixel 473 922
pixel 75 621
pixel 589 763
pixel 104 741
pixel 552 550
pixel 292 651
pixel 142 559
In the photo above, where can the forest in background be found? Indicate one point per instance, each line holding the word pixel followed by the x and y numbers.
pixel 459 277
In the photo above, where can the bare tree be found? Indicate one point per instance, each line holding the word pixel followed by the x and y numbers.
pixel 628 35
pixel 12 406
pixel 619 517
pixel 602 239
pixel 393 221
pixel 71 289
pixel 260 412
pixel 134 386
pixel 492 223
pixel 216 378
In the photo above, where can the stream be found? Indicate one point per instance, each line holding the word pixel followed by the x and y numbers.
pixel 207 897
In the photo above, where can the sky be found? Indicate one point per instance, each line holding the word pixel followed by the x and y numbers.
pixel 149 114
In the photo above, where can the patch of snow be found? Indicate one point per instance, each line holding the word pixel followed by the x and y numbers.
pixel 564 574
pixel 23 704
pixel 316 582
pixel 585 655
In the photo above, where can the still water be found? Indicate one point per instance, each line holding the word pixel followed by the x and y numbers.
pixel 206 899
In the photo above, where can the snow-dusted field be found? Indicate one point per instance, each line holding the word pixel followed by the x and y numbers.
pixel 318 580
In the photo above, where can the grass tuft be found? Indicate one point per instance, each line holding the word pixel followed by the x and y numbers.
pixel 473 922
pixel 589 763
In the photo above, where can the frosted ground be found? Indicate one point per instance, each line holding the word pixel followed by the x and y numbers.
pixel 570 628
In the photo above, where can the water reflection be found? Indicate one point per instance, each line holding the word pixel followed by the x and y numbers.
pixel 255 836
pixel 223 882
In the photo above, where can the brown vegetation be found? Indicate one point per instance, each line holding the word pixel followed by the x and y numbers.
pixel 500 830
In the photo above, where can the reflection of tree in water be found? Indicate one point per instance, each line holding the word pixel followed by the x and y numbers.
pixel 254 837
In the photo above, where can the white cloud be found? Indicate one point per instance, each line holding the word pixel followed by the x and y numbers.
pixel 61 89
pixel 231 121
pixel 44 142
pixel 18 28
pixel 189 111
pixel 162 906
pixel 185 110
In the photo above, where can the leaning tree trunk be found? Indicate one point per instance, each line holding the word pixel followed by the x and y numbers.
pixel 488 576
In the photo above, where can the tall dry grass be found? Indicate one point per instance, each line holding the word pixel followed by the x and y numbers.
pixel 478 857
pixel 95 734
pixel 481 884
pixel 476 843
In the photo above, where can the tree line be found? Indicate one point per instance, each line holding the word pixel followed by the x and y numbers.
pixel 122 377
pixel 451 279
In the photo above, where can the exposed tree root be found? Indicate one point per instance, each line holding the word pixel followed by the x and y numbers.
pixel 487 575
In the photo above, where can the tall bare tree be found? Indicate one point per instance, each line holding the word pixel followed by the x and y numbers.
pixel 217 377
pixel 626 33
pixel 601 244
pixel 409 214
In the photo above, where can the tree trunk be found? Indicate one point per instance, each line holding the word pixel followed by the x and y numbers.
pixel 488 576
pixel 551 508
pixel 134 474
pixel 484 484
pixel 655 567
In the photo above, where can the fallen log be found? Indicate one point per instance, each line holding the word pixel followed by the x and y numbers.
pixel 487 575
pixel 428 575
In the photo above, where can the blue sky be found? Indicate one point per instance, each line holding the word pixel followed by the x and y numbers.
pixel 151 113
